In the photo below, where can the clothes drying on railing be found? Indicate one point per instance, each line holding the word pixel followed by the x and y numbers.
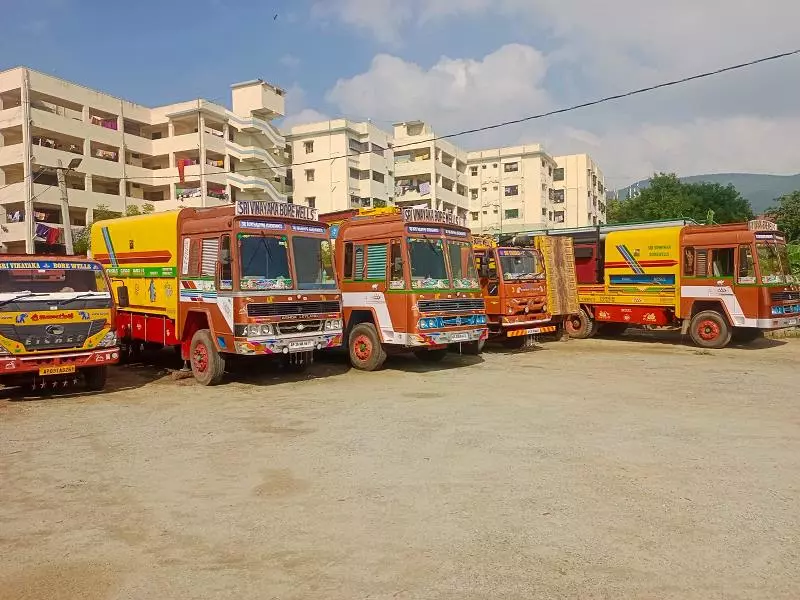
pixel 188 193
pixel 49 235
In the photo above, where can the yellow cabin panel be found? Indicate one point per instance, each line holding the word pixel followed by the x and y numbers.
pixel 141 252
pixel 642 267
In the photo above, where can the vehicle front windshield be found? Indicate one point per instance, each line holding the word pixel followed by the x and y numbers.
pixel 428 268
pixel 520 264
pixel 313 264
pixel 68 278
pixel 264 262
pixel 462 264
pixel 773 262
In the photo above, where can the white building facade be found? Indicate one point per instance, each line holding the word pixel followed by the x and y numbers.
pixel 510 189
pixel 195 153
pixel 580 189
pixel 341 164
pixel 429 172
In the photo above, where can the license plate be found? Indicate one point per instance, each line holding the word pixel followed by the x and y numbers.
pixel 306 345
pixel 533 331
pixel 459 337
pixel 61 370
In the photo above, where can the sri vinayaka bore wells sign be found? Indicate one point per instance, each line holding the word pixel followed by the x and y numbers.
pixel 262 208
pixel 429 215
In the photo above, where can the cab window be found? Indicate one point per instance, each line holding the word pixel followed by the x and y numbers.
pixel 722 262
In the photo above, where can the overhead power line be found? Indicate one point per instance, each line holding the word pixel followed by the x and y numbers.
pixel 550 113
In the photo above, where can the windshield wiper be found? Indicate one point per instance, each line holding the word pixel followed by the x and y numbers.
pixel 79 296
pixel 24 294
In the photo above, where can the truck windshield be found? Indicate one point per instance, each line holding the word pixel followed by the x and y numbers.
pixel 773 261
pixel 76 278
pixel 428 269
pixel 520 264
pixel 312 263
pixel 462 264
pixel 264 262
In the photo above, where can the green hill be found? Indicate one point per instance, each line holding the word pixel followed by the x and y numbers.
pixel 760 190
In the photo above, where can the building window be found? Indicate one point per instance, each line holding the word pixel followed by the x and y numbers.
pixel 558 174
pixel 354 173
pixel 557 196
pixel 512 190
pixel 474 215
pixel 558 216
pixel 511 213
pixel 309 174
pixel 544 212
pixel 544 187
pixel 473 171
pixel 311 201
pixel 375 149
pixel 378 176
pixel 494 188
pixel 473 193
pixel 484 166
pixel 543 164
pixel 308 147
pixel 484 188
pixel 511 167
pixel 494 166
pixel 494 210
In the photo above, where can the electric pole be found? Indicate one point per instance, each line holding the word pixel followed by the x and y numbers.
pixel 61 174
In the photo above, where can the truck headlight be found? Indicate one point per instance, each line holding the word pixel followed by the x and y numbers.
pixel 480 320
pixel 110 339
pixel 777 310
pixel 333 324
pixel 259 330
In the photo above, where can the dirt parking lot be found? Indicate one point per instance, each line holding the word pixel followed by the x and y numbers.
pixel 636 468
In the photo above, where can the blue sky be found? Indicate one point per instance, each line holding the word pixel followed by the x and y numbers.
pixel 457 64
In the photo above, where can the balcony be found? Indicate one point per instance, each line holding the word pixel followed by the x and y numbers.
pixel 254 183
pixel 256 125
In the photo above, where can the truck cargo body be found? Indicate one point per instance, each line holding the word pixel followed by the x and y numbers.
pixel 250 279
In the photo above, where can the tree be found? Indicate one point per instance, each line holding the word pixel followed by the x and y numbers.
pixel 82 239
pixel 667 197
pixel 787 215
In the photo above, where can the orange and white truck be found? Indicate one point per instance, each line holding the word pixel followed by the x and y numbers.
pixel 250 279
pixel 716 282
pixel 408 283
pixel 529 288
pixel 56 322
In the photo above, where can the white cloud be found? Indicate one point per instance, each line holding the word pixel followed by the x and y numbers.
pixel 744 120
pixel 290 61
pixel 296 110
pixel 452 94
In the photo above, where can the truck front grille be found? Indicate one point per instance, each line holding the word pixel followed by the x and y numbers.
pixel 450 305
pixel 300 327
pixel 280 309
pixel 37 337
pixel 781 296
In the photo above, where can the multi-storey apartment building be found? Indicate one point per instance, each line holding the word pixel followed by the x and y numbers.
pixel 195 153
pixel 580 188
pixel 341 164
pixel 510 189
pixel 429 172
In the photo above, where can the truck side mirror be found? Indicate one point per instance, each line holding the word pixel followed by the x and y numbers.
pixel 123 300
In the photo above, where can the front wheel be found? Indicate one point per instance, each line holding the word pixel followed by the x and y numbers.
pixel 208 366
pixel 431 356
pixel 710 329
pixel 580 326
pixel 366 351
pixel 95 378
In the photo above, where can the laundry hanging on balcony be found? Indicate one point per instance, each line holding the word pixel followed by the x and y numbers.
pixel 44 233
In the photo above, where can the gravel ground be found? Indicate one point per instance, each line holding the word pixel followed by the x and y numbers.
pixel 634 468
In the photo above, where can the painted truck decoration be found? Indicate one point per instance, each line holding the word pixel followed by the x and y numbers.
pixel 529 289
pixel 254 278
pixel 717 282
pixel 408 282
pixel 56 323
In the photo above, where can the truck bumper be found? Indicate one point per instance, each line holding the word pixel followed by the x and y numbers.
pixel 530 331
pixel 57 364
pixel 290 345
pixel 442 338
pixel 778 323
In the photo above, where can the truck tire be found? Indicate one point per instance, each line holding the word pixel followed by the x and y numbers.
pixel 95 378
pixel 745 335
pixel 710 329
pixel 208 366
pixel 580 326
pixel 472 348
pixel 431 356
pixel 365 348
